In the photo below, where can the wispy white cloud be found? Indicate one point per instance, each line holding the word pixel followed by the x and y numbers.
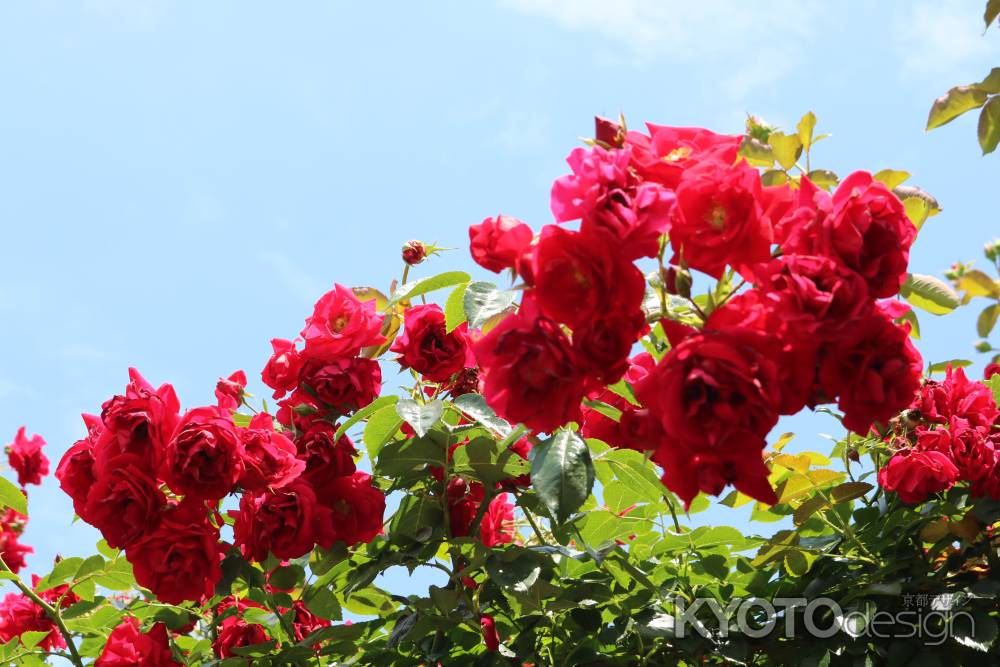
pixel 299 283
pixel 943 37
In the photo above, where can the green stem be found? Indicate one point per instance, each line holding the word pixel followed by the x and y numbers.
pixel 49 610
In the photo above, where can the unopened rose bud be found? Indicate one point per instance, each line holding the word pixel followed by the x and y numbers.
pixel 414 252
pixel 853 455
pixel 677 281
pixel 956 271
pixel 992 250
pixel 609 132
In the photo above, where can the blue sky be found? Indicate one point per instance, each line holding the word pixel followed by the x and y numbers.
pixel 181 180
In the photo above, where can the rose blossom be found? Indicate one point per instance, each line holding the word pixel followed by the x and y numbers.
pixel 957 396
pixel 667 152
pixel 138 422
pixel 229 391
pixel 285 522
pixel 496 243
pixel 205 457
pixel 322 456
pixel 345 384
pixel 26 458
pixel 269 458
pixel 341 325
pixel 358 508
pixel 127 645
pixel 428 348
pixel 75 471
pixel 915 474
pixel 282 370
pixel 125 503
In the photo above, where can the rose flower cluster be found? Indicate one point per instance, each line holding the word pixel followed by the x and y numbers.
pixel 26 458
pixel 809 329
pixel 151 479
pixel 951 433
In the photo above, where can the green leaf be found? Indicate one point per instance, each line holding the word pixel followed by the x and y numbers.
pixel 454 308
pixel 483 301
pixel 990 84
pixel 805 129
pixel 632 468
pixel 370 601
pixel 786 149
pixel 987 320
pixel 381 427
pixel 415 514
pixel 953 104
pixel 823 178
pixel 363 413
pixel 32 638
pixel 487 461
pixel 976 283
pixel 624 389
pixel 942 366
pixel 849 491
pixel 421 416
pixel 324 604
pixel 402 456
pixel 773 177
pixel 117 577
pixel 891 178
pixel 930 294
pixel 475 406
pixel 991 13
pixel 562 473
pixel 994 384
pixel 989 126
pixel 11 496
pixel 756 152
pixel 414 289
pixel 516 569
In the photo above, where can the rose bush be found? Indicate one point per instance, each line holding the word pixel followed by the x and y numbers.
pixel 553 443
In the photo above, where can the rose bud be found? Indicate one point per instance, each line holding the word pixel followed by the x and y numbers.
pixel 414 252
pixel 677 281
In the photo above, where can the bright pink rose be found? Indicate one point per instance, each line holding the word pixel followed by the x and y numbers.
pixel 12 524
pixel 718 219
pixel 284 522
pixel 25 456
pixel 580 278
pixel 180 560
pixel 530 372
pixel 497 243
pixel 229 391
pixel 497 526
pixel 341 325
pixel 609 200
pixel 282 370
pixel 344 384
pixel 269 458
pixel 957 396
pixel 915 474
pixel 127 646
pixel 19 614
pixel 204 459
pixel 668 152
pixel 863 226
pixel 139 422
pixel 874 369
pixel 426 346
pixel 490 636
pixel 125 503
pixel 358 509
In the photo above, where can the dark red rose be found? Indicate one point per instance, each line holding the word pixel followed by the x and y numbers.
pixel 497 243
pixel 464 498
pixel 718 219
pixel 345 384
pixel 358 508
pixel 638 428
pixel 428 348
pixel 75 471
pixel 603 345
pixel 609 200
pixel 140 422
pixel 667 152
pixel 285 522
pixel 580 278
pixel 234 632
pixel 229 391
pixel 530 373
pixel 323 457
pixel 204 459
pixel 269 458
pixel 25 456
pixel 957 396
pixel 125 503
pixel 301 410
pixel 282 370
pixel 863 226
pixel 991 370
pixel 915 474
pixel 874 369
pixel 128 646
pixel 686 471
pixel 341 325
pixel 180 560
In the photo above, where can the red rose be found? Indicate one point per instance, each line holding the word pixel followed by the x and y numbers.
pixel 915 474
pixel 991 370
pixel 11 550
pixel 345 384
pixel 530 372
pixel 301 410
pixel 341 325
pixel 180 560
pixel 863 226
pixel 667 152
pixel 686 471
pixel 957 396
pixel 579 278
pixel 127 645
pixel 718 219
pixel 970 449
pixel 358 509
pixel 426 346
pixel 490 636
pixel 603 345
pixel 125 503
pixel 140 422
pixel 602 193
pixel 229 391
pixel 874 369
pixel 25 456
pixel 75 471
pixel 19 614
pixel 497 526
pixel 282 370
pixel 464 498
pixel 285 522
pixel 204 459
pixel 324 457
pixel 497 243
pixel 234 632
pixel 269 458
pixel 304 622
pixel 638 428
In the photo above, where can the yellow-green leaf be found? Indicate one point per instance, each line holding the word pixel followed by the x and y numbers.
pixel 786 149
pixel 987 320
pixel 930 294
pixel 989 126
pixel 953 104
pixel 805 128
pixel 891 178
